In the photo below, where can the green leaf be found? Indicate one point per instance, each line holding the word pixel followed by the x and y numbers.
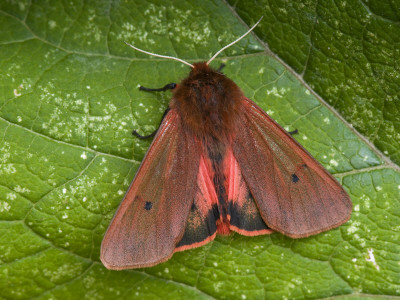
pixel 347 51
pixel 69 101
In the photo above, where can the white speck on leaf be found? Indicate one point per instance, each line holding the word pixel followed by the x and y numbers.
pixel 365 200
pixel 21 190
pixel 11 196
pixel 4 206
pixel 52 24
pixel 353 227
pixel 333 162
pixel 274 91
pixel 16 94
pixel 217 286
pixel 372 258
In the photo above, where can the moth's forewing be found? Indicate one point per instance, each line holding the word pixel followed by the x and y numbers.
pixel 152 216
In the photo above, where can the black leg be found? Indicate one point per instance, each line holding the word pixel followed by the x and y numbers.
pixel 143 137
pixel 169 86
pixel 293 132
pixel 221 67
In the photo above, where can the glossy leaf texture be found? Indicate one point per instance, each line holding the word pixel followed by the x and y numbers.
pixel 69 101
pixel 347 51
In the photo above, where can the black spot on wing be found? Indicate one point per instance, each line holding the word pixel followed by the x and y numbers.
pixel 148 205
pixel 295 178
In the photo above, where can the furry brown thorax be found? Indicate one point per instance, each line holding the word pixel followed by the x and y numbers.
pixel 207 101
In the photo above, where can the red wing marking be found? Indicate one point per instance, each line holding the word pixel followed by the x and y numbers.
pixel 201 224
pixel 245 217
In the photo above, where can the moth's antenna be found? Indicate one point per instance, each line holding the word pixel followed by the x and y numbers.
pixel 234 42
pixel 159 55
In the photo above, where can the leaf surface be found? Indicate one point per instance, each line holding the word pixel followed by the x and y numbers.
pixel 69 101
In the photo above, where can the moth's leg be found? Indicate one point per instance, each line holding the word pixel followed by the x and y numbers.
pixel 169 86
pixel 135 133
pixel 293 132
pixel 221 67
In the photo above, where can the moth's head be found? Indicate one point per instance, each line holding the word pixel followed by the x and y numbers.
pixel 202 71
pixel 207 102
pixel 205 85
pixel 201 67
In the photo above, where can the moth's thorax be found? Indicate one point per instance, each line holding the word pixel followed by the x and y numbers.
pixel 207 102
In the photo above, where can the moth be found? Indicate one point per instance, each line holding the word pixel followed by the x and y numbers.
pixel 218 163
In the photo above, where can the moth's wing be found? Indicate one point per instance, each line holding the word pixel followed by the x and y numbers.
pixel 151 219
pixel 294 193
pixel 244 215
pixel 201 226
